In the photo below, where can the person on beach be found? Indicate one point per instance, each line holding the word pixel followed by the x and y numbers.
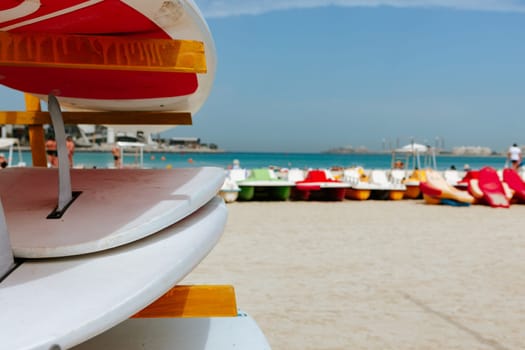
pixel 3 161
pixel 398 164
pixel 514 155
pixel 116 156
pixel 70 150
pixel 52 154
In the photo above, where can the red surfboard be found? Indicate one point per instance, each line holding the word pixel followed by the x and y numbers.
pixel 513 179
pixel 147 55
pixel 492 188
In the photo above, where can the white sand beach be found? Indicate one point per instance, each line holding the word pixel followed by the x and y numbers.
pixel 375 274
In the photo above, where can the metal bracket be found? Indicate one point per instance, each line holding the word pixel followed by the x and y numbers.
pixel 65 194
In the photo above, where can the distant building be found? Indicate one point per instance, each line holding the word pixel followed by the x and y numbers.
pixel 346 150
pixel 94 136
pixel 472 150
pixel 188 142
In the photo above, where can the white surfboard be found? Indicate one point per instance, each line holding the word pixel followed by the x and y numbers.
pixel 59 303
pixel 115 207
pixel 208 333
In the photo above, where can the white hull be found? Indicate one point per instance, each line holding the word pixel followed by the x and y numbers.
pixel 64 302
pixel 210 333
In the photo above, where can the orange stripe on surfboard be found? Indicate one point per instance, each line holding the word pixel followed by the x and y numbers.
pixel 101 52
pixel 193 301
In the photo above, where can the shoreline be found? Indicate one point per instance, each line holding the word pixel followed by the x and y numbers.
pixel 107 148
pixel 224 159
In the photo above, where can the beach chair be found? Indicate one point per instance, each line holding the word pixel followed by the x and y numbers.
pixel 351 176
pixel 385 188
pixel 237 174
pixel 380 178
pixel 452 176
pixel 397 176
pixel 295 175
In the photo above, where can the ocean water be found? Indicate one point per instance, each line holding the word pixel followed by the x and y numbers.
pixel 286 160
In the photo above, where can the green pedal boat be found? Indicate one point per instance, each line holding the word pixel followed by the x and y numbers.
pixel 263 184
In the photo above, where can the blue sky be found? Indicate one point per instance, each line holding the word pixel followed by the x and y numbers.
pixel 309 75
pixel 305 76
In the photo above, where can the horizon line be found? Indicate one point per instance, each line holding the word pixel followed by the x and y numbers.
pixel 221 9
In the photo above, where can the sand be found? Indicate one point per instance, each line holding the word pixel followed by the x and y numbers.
pixel 375 274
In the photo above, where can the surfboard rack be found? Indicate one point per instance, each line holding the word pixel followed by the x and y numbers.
pixel 57 213
pixel 35 119
pixel 65 194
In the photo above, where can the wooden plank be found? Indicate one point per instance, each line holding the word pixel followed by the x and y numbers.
pixel 38 148
pixel 98 118
pixel 36 133
pixel 193 301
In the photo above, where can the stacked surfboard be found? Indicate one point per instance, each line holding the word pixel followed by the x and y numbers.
pixel 74 274
pixel 125 55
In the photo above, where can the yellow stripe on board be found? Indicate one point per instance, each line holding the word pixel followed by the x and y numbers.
pixel 101 52
pixel 193 301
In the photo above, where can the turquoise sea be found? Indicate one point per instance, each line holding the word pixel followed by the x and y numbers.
pixel 287 160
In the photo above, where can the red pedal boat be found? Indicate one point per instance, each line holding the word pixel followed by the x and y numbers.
pixel 516 184
pixel 319 185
